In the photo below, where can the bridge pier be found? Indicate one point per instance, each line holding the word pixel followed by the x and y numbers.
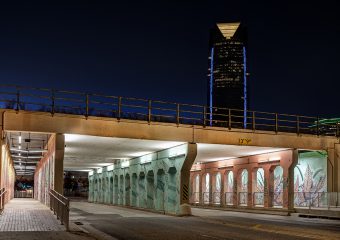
pixel 333 168
pixel 49 173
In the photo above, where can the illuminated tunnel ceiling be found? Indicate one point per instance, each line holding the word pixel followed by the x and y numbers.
pixel 26 150
pixel 87 152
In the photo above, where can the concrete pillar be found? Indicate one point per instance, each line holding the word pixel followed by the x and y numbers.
pixel 331 169
pixel 235 186
pixel 1 161
pixel 250 186
pixel 288 181
pixel 222 195
pixel 336 167
pixel 200 188
pixel 213 187
pixel 59 163
pixel 185 179
pixel 268 186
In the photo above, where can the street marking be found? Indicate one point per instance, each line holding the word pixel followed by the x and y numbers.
pixel 207 236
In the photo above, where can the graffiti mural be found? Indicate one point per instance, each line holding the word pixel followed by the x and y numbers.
pixel 229 188
pixel 206 193
pixel 310 179
pixel 217 193
pixel 259 192
pixel 243 194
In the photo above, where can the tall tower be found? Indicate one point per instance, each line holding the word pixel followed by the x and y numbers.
pixel 227 77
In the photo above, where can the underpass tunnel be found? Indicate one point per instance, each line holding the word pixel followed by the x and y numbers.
pixel 26 151
pixel 31 164
pixel 162 175
pixel 148 174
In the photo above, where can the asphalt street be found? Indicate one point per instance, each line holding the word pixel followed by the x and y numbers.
pixel 124 223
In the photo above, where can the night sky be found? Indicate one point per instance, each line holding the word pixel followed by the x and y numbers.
pixel 160 50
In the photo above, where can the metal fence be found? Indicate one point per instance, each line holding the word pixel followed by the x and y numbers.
pixel 2 199
pixel 206 198
pixel 258 198
pixel 243 198
pixel 90 104
pixel 60 206
pixel 216 198
pixel 317 199
pixel 277 198
pixel 23 194
pixel 229 198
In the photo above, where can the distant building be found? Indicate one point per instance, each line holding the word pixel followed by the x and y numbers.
pixel 227 77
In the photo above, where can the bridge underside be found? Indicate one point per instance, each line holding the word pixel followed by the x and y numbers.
pixel 165 167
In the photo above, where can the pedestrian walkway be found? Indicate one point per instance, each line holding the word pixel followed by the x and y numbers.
pixel 23 214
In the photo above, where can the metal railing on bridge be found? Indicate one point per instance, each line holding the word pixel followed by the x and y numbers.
pixel 90 104
pixel 2 199
pixel 60 206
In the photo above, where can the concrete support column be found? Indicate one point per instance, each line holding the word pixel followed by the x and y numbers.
pixel 200 188
pixel 288 182
pixel 59 163
pixel 331 173
pixel 268 185
pixel 235 187
pixel 251 183
pixel 336 167
pixel 213 187
pixel 1 162
pixel 222 195
pixel 185 179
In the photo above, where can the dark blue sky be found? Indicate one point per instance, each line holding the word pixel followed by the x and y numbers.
pixel 159 50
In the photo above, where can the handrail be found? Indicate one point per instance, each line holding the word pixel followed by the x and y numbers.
pixel 60 206
pixel 2 199
pixel 99 105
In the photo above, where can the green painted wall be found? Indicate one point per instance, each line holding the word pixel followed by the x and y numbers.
pixel 153 181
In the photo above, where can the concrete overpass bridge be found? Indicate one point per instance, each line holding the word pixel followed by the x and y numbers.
pixel 164 156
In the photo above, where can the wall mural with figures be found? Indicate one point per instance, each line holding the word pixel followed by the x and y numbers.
pixel 310 179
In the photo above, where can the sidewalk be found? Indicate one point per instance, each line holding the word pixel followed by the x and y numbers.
pixel 23 214
pixel 31 220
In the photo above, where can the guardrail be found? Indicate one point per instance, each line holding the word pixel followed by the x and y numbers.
pixel 276 198
pixel 317 199
pixel 206 198
pixel 60 206
pixel 90 104
pixel 258 198
pixel 23 194
pixel 229 198
pixel 243 198
pixel 216 198
pixel 2 199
